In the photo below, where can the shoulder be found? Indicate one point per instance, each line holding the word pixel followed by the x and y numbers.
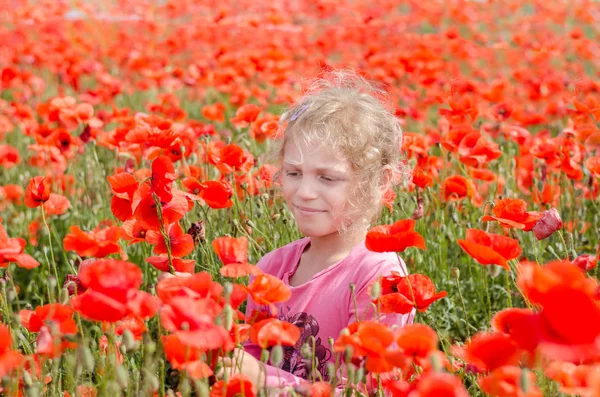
pixel 369 265
pixel 282 257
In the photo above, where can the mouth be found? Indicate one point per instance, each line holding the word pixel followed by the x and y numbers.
pixel 308 210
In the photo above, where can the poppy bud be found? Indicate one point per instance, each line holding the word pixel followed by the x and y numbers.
pixel 435 363
pixel 419 210
pixel 351 373
pixel 197 231
pixel 33 391
pixel 150 347
pixel 275 216
pixel 360 375
pixel 549 223
pixel 129 166
pixel 201 388
pixel 331 370
pixel 375 290
pixel 276 355
pixel 153 381
pixel 27 379
pixel 525 385
pixel 228 317
pixel 306 351
pixel 122 376
pixel 129 341
pixel 348 354
pixel 113 388
pixel 86 358
pixel 585 261
pixel 64 296
pixel 455 272
pixel 264 356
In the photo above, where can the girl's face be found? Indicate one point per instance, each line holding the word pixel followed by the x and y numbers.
pixel 316 183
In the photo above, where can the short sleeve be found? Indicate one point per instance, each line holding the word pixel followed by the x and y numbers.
pixel 362 307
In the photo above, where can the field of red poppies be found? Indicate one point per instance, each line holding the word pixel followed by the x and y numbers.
pixel 135 195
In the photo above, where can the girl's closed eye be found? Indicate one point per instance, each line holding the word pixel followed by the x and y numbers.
pixel 292 174
pixel 328 178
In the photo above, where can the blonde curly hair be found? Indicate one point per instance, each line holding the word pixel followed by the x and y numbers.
pixel 344 112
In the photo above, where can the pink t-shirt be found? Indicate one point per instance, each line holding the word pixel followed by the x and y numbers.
pixel 323 306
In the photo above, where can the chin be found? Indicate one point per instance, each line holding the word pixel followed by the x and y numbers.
pixel 312 232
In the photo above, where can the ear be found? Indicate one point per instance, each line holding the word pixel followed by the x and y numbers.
pixel 386 180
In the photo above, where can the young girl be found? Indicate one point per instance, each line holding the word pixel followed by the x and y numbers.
pixel 338 156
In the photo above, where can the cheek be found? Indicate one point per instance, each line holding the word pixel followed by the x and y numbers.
pixel 288 188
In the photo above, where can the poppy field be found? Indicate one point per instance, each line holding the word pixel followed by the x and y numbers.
pixel 137 194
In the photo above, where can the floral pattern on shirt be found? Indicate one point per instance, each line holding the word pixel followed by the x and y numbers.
pixel 293 361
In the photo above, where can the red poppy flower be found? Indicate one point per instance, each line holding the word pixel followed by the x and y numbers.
pixel 9 156
pixel 133 232
pixel 573 379
pixel 513 213
pixel 233 252
pixel 163 175
pixel 52 322
pixel 245 115
pixel 436 384
pixel 181 243
pixel 102 241
pixel 461 110
pixel 238 385
pixel 487 351
pixel 417 340
pixel 9 359
pixel 419 289
pixel 234 158
pixel 123 186
pixel 585 261
pixel 266 289
pixel 12 250
pixel 371 340
pixel 231 249
pixel 146 213
pixel 189 313
pixel 396 237
pixel 56 204
pixel 421 178
pixel 549 223
pixel 474 150
pixel 271 332
pixel 186 358
pixel 112 292
pixel 524 326
pixel 199 285
pixel 264 128
pixel 214 112
pixel 508 381
pixel 217 194
pixel 37 191
pixel 161 263
pixel 534 281
pixel 457 187
pixel 488 249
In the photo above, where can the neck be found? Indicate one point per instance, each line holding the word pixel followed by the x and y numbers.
pixel 334 246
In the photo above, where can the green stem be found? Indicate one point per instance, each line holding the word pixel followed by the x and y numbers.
pixel 51 264
pixel 163 232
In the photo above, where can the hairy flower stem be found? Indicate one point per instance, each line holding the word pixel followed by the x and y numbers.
pixel 464 307
pixel 163 232
pixel 52 263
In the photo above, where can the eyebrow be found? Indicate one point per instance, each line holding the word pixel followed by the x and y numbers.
pixel 321 169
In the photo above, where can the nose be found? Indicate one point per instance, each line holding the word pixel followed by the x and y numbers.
pixel 306 190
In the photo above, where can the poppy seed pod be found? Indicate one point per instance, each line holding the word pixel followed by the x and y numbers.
pixel 549 223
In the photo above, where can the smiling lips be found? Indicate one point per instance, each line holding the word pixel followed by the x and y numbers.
pixel 308 210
